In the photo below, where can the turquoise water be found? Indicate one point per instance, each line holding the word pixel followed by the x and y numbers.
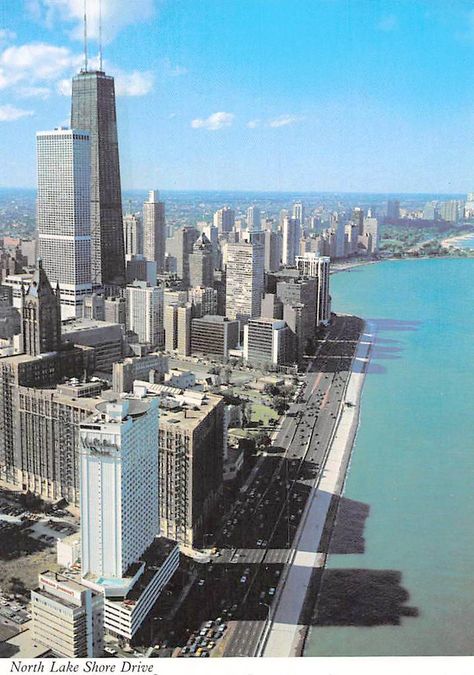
pixel 412 467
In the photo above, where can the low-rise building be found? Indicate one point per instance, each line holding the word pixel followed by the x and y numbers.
pixel 67 616
pixel 267 342
pixel 213 336
pixel 107 339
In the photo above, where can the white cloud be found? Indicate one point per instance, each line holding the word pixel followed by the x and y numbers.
pixel 253 124
pixel 8 113
pixel 64 87
pixel 388 23
pixel 34 62
pixel 217 120
pixel 116 15
pixel 283 121
pixel 30 67
pixel 134 83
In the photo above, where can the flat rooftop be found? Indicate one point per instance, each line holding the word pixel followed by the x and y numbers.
pixel 154 557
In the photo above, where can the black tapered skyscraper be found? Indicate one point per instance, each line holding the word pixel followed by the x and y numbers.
pixel 93 110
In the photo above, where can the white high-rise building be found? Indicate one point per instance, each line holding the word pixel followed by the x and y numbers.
pixel 253 218
pixel 244 280
pixel 63 214
pixel 298 213
pixel 312 265
pixel 121 554
pixel 119 485
pixel 145 313
pixel 291 233
pixel 154 230
pixel 132 234
pixel 370 237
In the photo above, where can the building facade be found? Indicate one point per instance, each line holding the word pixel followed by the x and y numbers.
pixel 64 214
pixel 67 617
pixel 154 230
pixel 93 110
pixel 213 336
pixel 244 280
pixel 145 313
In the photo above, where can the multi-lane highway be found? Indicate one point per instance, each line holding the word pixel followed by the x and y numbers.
pixel 256 536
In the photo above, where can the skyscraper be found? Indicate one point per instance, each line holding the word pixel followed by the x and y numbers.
pixel 244 280
pixel 119 485
pixel 93 110
pixel 312 265
pixel 291 232
pixel 201 263
pixel 224 219
pixel 272 245
pixel 180 246
pixel 298 213
pixel 63 214
pixel 132 234
pixel 145 313
pixel 253 218
pixel 154 230
pixel 393 209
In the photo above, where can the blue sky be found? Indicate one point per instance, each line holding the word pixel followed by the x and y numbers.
pixel 304 95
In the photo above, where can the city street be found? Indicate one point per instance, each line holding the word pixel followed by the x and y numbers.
pixel 255 537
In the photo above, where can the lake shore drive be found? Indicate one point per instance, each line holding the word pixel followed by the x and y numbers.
pixel 287 630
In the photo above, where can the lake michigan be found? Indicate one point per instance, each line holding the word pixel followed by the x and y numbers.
pixel 399 580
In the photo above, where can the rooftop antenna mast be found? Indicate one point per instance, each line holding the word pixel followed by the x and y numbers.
pixel 85 35
pixel 100 35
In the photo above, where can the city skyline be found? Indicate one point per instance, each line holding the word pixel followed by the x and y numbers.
pixel 179 101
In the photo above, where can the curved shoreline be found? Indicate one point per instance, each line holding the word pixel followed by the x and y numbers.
pixel 451 242
pixel 307 560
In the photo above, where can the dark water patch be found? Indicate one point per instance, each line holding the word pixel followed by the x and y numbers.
pixel 362 597
pixel 348 533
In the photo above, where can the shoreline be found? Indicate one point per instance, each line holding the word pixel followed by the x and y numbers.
pixel 450 242
pixel 287 631
pixel 350 266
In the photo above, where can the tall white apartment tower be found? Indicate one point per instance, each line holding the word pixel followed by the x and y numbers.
pixel 154 230
pixel 253 218
pixel 145 313
pixel 63 214
pixel 291 234
pixel 244 280
pixel 298 213
pixel 119 486
pixel 312 265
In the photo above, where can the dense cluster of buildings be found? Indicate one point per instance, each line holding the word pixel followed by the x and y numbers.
pixel 90 410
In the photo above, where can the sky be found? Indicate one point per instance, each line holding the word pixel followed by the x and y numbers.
pixel 278 95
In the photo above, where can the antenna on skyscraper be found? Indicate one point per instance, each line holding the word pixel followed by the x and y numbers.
pixel 85 35
pixel 100 35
